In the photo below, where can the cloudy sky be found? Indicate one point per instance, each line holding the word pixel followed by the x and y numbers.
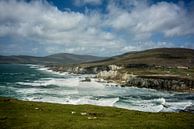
pixel 95 27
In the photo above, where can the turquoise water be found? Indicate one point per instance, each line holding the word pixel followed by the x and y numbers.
pixel 10 74
pixel 37 83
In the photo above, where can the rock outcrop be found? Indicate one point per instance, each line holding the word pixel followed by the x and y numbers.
pixel 115 76
pixel 173 83
pixel 162 83
pixel 112 73
pixel 84 69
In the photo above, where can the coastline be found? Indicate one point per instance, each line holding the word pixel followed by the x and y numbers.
pixel 125 78
pixel 26 115
pixel 79 89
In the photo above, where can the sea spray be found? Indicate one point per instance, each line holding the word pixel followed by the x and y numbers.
pixel 37 83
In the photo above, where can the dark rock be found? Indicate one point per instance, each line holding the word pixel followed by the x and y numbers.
pixel 175 84
pixel 87 79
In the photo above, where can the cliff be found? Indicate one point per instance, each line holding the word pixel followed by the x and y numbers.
pixel 122 76
pixel 162 83
pixel 161 68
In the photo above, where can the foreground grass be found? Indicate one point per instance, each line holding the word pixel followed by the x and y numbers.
pixel 15 114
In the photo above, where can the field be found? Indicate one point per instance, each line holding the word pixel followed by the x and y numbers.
pixel 15 114
pixel 183 73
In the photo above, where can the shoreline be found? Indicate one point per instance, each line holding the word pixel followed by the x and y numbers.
pixel 115 74
pixel 25 114
pixel 111 82
pixel 162 104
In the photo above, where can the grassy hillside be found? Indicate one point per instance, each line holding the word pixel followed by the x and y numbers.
pixel 61 58
pixel 161 56
pixel 32 115
pixel 72 58
pixel 170 57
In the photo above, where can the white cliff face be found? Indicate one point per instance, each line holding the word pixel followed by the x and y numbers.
pixel 107 74
pixel 114 67
pixel 76 69
pixel 125 76
pixel 114 74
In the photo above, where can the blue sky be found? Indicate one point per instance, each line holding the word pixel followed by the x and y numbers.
pixel 95 27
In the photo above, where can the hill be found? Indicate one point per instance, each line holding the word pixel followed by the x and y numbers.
pixel 169 57
pixel 61 58
pixel 161 68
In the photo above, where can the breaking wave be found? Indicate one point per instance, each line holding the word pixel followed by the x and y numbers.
pixel 71 89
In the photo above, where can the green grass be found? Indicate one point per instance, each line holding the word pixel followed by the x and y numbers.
pixel 160 56
pixel 15 114
pixel 187 73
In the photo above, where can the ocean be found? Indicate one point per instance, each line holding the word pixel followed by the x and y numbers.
pixel 37 83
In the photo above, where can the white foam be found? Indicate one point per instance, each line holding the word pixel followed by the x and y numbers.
pixel 155 105
pixel 174 106
pixel 100 102
pixel 91 84
pixel 76 101
pixel 109 101
pixel 54 81
pixel 34 66
pixel 46 69
pixel 70 89
pixel 45 92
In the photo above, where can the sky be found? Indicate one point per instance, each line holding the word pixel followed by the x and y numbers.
pixel 94 27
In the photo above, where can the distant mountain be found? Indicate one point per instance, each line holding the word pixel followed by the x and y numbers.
pixel 61 58
pixel 159 56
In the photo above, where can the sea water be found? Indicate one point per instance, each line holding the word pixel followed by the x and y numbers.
pixel 37 83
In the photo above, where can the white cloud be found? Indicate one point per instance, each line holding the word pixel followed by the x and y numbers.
pixel 168 18
pixel 47 25
pixel 119 30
